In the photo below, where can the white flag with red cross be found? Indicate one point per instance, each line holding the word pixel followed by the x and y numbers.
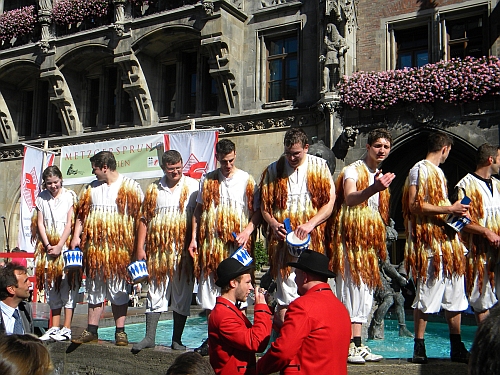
pixel 31 181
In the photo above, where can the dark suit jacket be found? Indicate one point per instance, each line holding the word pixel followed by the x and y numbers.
pixel 233 340
pixel 314 338
pixel 26 316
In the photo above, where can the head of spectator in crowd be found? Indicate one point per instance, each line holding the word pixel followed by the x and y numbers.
pixel 24 355
pixel 14 284
pixel 485 351
pixel 296 145
pixel 311 269
pixel 190 363
pixel 225 153
pixel 234 279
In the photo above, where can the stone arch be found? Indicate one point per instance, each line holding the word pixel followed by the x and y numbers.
pixel 408 149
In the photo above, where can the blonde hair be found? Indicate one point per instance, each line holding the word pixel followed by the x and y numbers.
pixel 24 355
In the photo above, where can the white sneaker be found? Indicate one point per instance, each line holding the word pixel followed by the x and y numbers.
pixel 48 334
pixel 365 352
pixel 64 334
pixel 353 356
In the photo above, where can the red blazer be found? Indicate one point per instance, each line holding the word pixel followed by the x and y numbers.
pixel 314 338
pixel 233 341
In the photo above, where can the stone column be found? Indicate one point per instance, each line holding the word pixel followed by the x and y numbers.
pixel 119 16
pixel 45 19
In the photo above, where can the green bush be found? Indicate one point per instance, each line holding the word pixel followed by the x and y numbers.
pixel 260 253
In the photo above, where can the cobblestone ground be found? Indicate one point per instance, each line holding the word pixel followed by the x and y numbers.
pixel 106 359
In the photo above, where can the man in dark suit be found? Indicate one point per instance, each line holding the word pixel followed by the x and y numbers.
pixel 15 316
pixel 232 339
pixel 316 332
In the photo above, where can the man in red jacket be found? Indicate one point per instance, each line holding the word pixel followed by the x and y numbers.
pixel 232 340
pixel 316 333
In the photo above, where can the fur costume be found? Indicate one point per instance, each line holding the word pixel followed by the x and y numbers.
pixel 429 236
pixel 109 231
pixel 484 211
pixel 220 217
pixel 50 269
pixel 359 232
pixel 274 199
pixel 166 233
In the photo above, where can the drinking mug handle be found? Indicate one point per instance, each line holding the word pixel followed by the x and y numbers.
pixel 288 225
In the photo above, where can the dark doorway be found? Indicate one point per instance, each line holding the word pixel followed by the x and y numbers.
pixel 407 150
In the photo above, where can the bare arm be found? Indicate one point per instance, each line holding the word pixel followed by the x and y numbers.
pixel 491 236
pixel 322 215
pixel 41 229
pixel 140 253
pixel 56 250
pixel 456 209
pixel 244 235
pixel 353 197
pixel 193 246
pixel 77 231
pixel 277 227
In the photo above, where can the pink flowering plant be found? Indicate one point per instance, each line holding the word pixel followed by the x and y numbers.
pixel 17 22
pixel 68 12
pixel 455 81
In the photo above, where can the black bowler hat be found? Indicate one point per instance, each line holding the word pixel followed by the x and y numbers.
pixel 228 270
pixel 313 262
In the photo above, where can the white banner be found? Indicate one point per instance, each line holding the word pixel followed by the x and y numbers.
pixel 197 149
pixel 31 180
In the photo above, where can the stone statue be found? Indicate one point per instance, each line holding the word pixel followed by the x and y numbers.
pixel 345 140
pixel 318 148
pixel 335 48
pixel 389 294
pixel 45 4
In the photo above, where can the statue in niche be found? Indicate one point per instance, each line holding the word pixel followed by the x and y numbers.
pixel 390 293
pixel 333 60
pixel 267 3
pixel 45 4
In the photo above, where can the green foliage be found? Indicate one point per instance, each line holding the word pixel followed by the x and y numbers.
pixel 260 253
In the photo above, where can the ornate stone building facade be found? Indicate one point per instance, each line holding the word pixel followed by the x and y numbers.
pixel 124 68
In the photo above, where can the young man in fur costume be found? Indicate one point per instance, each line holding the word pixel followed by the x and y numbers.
pixel 358 240
pixel 107 212
pixel 481 236
pixel 297 186
pixel 226 204
pixel 433 251
pixel 163 234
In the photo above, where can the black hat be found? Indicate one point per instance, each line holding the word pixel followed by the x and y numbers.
pixel 313 262
pixel 228 270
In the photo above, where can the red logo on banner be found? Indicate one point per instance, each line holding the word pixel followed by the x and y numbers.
pixel 30 188
pixel 194 168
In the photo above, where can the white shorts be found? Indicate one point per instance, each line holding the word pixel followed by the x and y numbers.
pixel 441 293
pixel 286 289
pixel 113 290
pixel 64 297
pixel 207 292
pixel 484 300
pixel 176 292
pixel 358 300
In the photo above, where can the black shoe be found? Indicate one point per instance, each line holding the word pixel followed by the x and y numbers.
pixel 419 355
pixel 203 349
pixel 459 353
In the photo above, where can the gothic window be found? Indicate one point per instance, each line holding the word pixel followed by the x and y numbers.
pixel 282 68
pixel 187 88
pixel 108 104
